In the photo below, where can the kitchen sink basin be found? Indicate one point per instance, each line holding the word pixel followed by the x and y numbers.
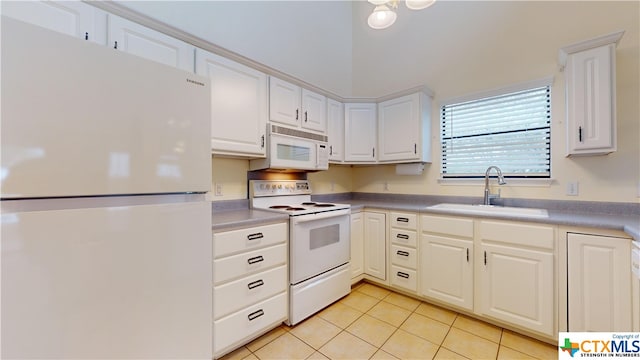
pixel 491 210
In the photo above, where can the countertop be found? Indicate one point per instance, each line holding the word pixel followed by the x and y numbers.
pixel 627 223
pixel 242 216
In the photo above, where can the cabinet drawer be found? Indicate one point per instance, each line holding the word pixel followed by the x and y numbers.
pixel 243 292
pixel 462 227
pixel 248 263
pixel 404 220
pixel 231 242
pixel 404 256
pixel 404 278
pixel 245 323
pixel 541 236
pixel 404 237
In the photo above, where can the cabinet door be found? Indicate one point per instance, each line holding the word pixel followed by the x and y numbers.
pixel 357 245
pixel 360 132
pixel 284 102
pixel 599 281
pixel 150 44
pixel 239 103
pixel 73 18
pixel 590 102
pixel 447 270
pixel 314 111
pixel 335 130
pixel 399 128
pixel 516 285
pixel 374 245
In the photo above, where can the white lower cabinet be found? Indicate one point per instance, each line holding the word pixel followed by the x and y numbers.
pixel 357 247
pixel 599 283
pixel 250 282
pixel 403 252
pixel 375 255
pixel 446 260
pixel 515 278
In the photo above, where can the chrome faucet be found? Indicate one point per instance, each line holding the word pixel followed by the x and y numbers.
pixel 487 195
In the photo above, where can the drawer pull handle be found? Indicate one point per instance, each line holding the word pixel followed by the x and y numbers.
pixel 403 275
pixel 255 284
pixel 255 236
pixel 402 236
pixel 255 259
pixel 402 253
pixel 402 219
pixel 256 314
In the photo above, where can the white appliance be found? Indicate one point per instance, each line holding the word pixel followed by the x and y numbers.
pixel 106 235
pixel 293 150
pixel 319 244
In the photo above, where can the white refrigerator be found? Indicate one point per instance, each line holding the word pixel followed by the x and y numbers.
pixel 105 231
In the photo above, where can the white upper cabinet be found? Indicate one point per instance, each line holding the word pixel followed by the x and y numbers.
pixel 73 18
pixel 293 106
pixel 404 129
pixel 139 40
pixel 239 105
pixel 360 132
pixel 590 95
pixel 335 130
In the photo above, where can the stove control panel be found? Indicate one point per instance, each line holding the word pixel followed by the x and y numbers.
pixel 258 188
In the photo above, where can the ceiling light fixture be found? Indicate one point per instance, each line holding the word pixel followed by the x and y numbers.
pixel 383 16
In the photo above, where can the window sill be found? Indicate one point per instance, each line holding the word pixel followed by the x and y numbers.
pixel 510 182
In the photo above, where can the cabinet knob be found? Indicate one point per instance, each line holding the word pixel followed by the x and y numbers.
pixel 262 145
pixel 86 36
pixel 306 118
pixel 330 149
pixel 297 114
pixel 255 259
pixel 403 274
pixel 580 133
pixel 115 46
pixel 256 314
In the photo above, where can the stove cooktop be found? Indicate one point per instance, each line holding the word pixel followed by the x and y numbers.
pixel 287 196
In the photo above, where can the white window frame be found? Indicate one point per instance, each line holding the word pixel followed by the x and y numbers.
pixel 471 179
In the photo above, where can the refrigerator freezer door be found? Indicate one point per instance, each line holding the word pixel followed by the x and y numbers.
pixel 119 282
pixel 82 119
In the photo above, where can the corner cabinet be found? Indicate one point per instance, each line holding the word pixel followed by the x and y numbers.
pixel 296 107
pixel 357 247
pixel 404 129
pixel 599 283
pixel 590 79
pixel 375 235
pixel 360 135
pixel 133 38
pixel 239 106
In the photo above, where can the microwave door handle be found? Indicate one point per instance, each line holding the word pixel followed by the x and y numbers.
pixel 318 216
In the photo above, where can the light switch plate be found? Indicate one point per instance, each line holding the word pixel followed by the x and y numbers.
pixel 218 189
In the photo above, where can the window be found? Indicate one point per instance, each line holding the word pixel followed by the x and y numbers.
pixel 511 130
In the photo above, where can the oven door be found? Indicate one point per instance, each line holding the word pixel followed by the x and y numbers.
pixel 292 153
pixel 318 243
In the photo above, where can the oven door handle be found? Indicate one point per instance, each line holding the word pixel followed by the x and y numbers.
pixel 299 219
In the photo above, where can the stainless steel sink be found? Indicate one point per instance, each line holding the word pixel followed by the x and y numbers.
pixel 491 210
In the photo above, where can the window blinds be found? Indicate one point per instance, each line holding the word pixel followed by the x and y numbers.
pixel 511 131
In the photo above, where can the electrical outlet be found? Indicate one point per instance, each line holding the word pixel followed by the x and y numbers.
pixel 385 186
pixel 218 190
pixel 572 188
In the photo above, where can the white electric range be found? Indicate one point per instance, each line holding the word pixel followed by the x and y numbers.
pixel 319 244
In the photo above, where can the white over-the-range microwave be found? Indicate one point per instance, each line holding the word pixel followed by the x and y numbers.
pixel 293 150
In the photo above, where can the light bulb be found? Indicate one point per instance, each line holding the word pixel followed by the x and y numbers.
pixel 419 4
pixel 381 18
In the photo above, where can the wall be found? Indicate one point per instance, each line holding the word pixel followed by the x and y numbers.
pixel 455 48
pixel 310 40
pixel 459 48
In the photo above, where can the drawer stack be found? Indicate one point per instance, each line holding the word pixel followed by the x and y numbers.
pixel 249 284
pixel 404 254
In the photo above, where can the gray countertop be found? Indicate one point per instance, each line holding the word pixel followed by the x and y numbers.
pixel 627 223
pixel 225 218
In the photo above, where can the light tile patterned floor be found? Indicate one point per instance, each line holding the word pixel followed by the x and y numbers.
pixel 375 323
